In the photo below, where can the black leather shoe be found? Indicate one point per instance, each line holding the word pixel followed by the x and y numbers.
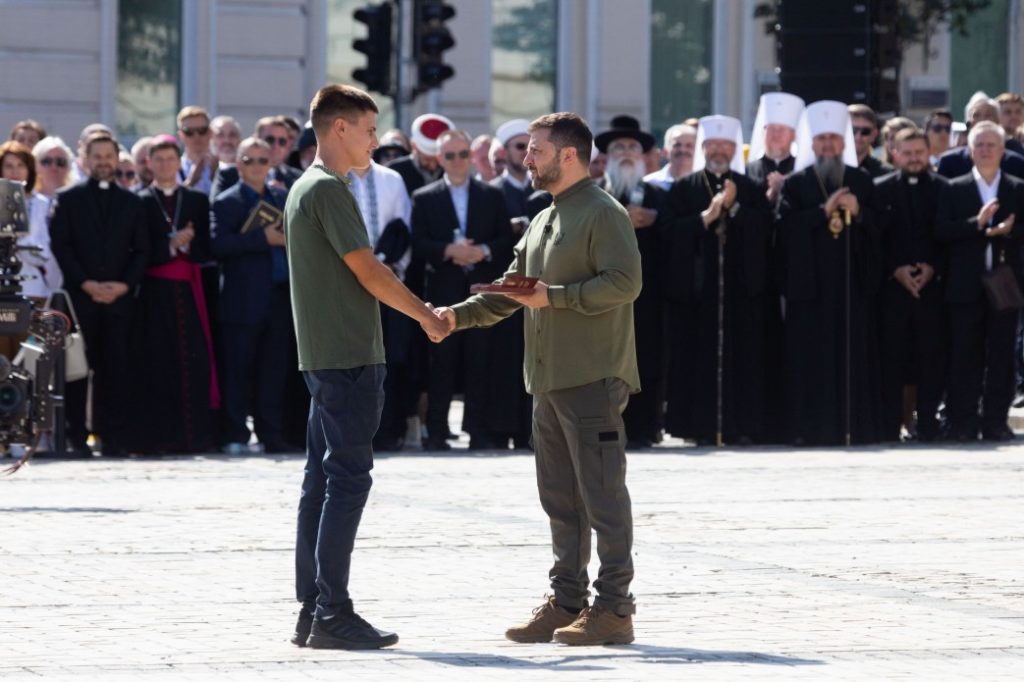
pixel 998 434
pixel 303 626
pixel 964 435
pixel 348 631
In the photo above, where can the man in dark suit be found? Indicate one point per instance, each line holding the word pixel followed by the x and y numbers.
pixel 461 229
pixel 912 327
pixel 957 162
pixel 275 132
pixel 99 239
pixel 255 312
pixel 976 219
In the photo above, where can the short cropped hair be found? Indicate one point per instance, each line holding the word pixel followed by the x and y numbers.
pixel 908 134
pixel 336 101
pixel 863 111
pixel 23 153
pixel 937 113
pixel 29 124
pixel 675 131
pixel 1010 98
pixel 192 110
pixel 101 138
pixel 453 132
pixel 985 127
pixel 566 130
pixel 248 142
pixel 162 142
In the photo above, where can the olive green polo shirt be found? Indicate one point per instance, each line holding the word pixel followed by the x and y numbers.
pixel 583 246
pixel 337 321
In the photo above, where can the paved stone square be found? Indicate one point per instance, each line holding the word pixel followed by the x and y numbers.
pixel 866 564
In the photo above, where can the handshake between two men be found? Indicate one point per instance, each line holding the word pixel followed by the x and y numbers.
pixel 537 297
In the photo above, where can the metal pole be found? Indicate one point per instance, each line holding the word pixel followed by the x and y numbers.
pixel 399 43
pixel 849 277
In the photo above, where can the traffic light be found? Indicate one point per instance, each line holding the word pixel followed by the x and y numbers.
pixel 377 47
pixel 430 40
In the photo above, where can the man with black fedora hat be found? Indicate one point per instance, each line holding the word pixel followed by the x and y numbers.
pixel 647 205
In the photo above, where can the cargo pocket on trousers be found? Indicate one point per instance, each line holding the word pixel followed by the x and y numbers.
pixel 613 458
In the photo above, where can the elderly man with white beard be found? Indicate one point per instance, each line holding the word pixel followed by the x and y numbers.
pixel 679 144
pixel 647 205
pixel 830 244
pixel 718 246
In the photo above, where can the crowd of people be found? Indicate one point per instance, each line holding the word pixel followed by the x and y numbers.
pixel 834 281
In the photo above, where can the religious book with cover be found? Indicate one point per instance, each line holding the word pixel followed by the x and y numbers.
pixel 512 284
pixel 263 215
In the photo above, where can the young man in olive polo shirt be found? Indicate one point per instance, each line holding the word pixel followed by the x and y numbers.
pixel 580 366
pixel 335 284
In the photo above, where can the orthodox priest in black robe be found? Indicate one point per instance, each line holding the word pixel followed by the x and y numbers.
pixel 174 375
pixel 772 146
pixel 726 219
pixel 832 268
pixel 647 205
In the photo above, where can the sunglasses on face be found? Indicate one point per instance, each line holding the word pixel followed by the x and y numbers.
pixel 201 130
pixel 279 141
pixel 250 160
pixel 124 174
pixel 863 131
pixel 939 128
pixel 451 156
pixel 520 146
pixel 52 161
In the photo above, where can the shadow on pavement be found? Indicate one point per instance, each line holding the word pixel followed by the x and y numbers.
pixel 643 653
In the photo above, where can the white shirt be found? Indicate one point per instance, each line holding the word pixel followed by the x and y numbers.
pixel 519 184
pixel 460 197
pixel 392 202
pixel 205 183
pixel 988 193
pixel 41 266
pixel 661 177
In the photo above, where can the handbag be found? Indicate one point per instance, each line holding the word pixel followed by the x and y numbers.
pixel 1002 289
pixel 76 365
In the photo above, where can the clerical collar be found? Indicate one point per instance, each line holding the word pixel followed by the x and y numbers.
pixel 103 184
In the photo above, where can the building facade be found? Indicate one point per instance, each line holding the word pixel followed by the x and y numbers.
pixel 133 63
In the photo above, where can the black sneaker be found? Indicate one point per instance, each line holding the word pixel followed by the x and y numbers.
pixel 302 626
pixel 348 631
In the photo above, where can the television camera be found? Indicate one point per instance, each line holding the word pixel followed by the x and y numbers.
pixel 27 396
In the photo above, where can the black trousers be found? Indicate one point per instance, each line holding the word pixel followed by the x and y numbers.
pixel 107 329
pixel 255 370
pixel 445 365
pixel 913 352
pixel 981 365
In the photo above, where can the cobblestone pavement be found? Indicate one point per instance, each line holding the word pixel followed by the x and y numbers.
pixel 867 564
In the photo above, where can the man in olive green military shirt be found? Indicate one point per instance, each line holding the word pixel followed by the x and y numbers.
pixel 580 366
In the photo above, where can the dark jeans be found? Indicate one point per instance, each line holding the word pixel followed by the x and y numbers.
pixel 344 412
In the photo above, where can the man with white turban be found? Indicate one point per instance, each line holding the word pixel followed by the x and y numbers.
pixel 831 270
pixel 723 219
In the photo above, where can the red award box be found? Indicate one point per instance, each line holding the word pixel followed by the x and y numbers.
pixel 512 284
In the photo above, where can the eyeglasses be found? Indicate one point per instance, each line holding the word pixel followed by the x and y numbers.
pixel 520 146
pixel 863 131
pixel 124 174
pixel 201 130
pixel 619 147
pixel 279 141
pixel 939 128
pixel 250 160
pixel 450 156
pixel 53 161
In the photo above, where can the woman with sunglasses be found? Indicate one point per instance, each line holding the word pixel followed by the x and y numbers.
pixel 125 175
pixel 53 163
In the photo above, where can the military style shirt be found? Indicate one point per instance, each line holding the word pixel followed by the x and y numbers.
pixel 583 246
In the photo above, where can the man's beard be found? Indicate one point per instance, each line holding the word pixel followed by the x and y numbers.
pixel 544 178
pixel 102 174
pixel 716 166
pixel 514 167
pixel 830 169
pixel 623 176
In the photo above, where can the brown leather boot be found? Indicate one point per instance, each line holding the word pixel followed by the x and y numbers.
pixel 546 619
pixel 596 626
